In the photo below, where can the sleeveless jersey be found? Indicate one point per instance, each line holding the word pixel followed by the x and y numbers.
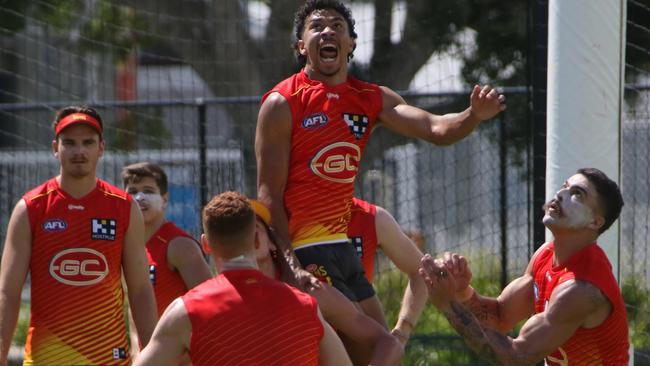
pixel 77 303
pixel 329 131
pixel 606 344
pixel 167 284
pixel 363 234
pixel 242 317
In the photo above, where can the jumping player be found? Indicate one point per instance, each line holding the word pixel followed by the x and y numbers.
pixel 579 314
pixel 76 235
pixel 241 317
pixel 311 132
pixel 176 262
pixel 373 227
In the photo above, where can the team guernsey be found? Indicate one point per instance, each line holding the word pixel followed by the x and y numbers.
pixel 167 283
pixel 243 317
pixel 329 131
pixel 77 303
pixel 363 234
pixel 606 344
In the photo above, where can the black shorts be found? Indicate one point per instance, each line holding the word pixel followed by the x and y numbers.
pixel 338 265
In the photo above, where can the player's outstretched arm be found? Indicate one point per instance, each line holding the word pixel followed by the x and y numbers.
pixel 185 255
pixel 406 256
pixel 272 150
pixel 485 103
pixel 171 338
pixel 570 307
pixel 134 264
pixel 332 352
pixel 357 326
pixel 13 270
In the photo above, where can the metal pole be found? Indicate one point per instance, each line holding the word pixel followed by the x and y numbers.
pixel 503 200
pixel 203 161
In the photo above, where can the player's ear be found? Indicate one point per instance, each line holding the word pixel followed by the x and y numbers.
pixel 300 46
pixel 205 244
pixel 165 199
pixel 55 147
pixel 597 223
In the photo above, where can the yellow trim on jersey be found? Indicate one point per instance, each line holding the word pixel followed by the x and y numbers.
pixel 360 90
pixel 304 86
pixel 161 239
pixel 327 239
pixel 42 194
pixel 113 194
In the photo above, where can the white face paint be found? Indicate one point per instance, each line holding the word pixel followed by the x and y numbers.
pixel 152 201
pixel 569 208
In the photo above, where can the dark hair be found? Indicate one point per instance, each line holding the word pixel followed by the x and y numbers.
pixel 309 7
pixel 228 217
pixel 609 195
pixel 66 111
pixel 134 173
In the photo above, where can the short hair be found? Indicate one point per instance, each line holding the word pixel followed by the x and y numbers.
pixel 309 7
pixel 610 198
pixel 134 173
pixel 66 111
pixel 228 219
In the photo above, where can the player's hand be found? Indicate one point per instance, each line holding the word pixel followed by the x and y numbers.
pixel 486 102
pixel 441 284
pixel 306 281
pixel 459 268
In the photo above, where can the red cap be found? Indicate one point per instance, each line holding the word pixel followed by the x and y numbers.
pixel 73 118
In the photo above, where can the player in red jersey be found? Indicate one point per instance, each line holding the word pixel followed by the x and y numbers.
pixel 371 227
pixel 241 317
pixel 579 314
pixel 74 234
pixel 176 262
pixel 366 341
pixel 311 132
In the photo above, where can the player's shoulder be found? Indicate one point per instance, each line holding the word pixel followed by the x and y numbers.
pixel 112 191
pixel 361 206
pixel 362 86
pixel 40 191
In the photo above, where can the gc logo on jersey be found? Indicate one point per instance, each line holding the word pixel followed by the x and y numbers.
pixel 54 225
pixel 315 121
pixel 103 229
pixel 337 162
pixel 358 123
pixel 79 267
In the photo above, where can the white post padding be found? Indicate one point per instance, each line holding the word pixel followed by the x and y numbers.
pixel 586 42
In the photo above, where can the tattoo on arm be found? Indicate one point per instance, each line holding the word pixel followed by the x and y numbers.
pixel 485 310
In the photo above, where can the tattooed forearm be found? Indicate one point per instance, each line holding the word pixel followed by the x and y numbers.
pixel 470 329
pixel 486 310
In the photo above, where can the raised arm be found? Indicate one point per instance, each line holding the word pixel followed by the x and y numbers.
pixel 185 255
pixel 171 338
pixel 13 270
pixel 359 328
pixel 134 263
pixel 406 256
pixel 571 306
pixel 414 122
pixel 272 149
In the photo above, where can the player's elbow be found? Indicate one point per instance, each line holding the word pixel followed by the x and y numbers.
pixel 389 349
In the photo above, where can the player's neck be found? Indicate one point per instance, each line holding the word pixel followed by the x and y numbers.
pixel 77 187
pixel 330 80
pixel 152 227
pixel 267 267
pixel 569 242
pixel 246 261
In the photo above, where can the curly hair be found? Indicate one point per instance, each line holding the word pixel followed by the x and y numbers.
pixel 309 7
pixel 228 217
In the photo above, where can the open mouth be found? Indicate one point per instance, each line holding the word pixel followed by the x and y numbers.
pixel 553 207
pixel 328 53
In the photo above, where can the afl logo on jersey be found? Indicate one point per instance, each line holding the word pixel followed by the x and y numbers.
pixel 79 267
pixel 315 121
pixel 337 162
pixel 54 225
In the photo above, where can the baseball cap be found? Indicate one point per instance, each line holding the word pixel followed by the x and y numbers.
pixel 76 118
pixel 261 211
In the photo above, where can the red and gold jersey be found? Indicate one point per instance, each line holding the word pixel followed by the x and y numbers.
pixel 329 131
pixel 242 317
pixel 77 303
pixel 363 234
pixel 167 284
pixel 606 344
